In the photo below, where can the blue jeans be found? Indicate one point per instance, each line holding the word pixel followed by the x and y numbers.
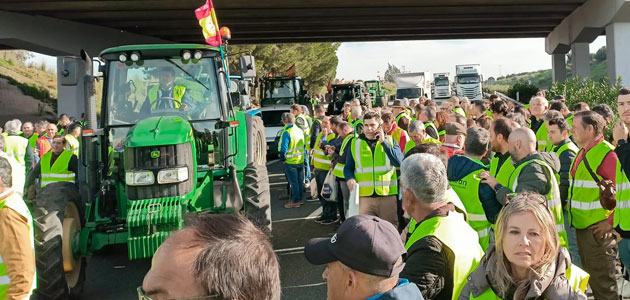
pixel 295 177
pixel 572 239
pixel 307 167
pixel 624 253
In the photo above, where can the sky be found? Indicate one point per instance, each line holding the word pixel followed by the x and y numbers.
pixel 497 57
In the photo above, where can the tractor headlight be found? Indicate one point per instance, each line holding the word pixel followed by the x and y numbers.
pixel 172 175
pixel 134 178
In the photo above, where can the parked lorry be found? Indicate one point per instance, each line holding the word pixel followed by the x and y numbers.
pixel 149 160
pixel 282 90
pixel 413 85
pixel 468 81
pixel 441 85
pixel 377 92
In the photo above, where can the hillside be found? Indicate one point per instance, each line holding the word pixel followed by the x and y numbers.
pixel 542 78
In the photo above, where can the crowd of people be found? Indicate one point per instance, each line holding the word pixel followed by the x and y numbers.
pixel 483 199
pixel 29 152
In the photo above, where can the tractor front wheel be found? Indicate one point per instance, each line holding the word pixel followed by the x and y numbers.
pixel 58 216
pixel 256 196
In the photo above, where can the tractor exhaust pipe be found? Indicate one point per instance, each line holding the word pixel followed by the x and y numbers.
pixel 90 118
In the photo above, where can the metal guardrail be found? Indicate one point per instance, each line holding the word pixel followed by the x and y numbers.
pixel 503 97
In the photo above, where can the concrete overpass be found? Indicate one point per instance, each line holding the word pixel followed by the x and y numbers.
pixel 60 28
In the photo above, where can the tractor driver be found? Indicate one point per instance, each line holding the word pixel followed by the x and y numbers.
pixel 167 94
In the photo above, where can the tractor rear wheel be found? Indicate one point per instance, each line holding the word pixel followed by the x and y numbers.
pixel 58 216
pixel 256 196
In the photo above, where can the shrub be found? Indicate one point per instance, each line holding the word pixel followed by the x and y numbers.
pixel 524 90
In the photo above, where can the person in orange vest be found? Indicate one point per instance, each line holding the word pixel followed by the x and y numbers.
pixel 44 143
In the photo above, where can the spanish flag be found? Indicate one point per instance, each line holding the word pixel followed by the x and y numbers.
pixel 208 22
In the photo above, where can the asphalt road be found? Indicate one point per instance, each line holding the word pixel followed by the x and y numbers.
pixel 110 275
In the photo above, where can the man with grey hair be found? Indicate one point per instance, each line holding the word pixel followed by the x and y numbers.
pixel 427 117
pixel 538 106
pixel 17 174
pixel 291 148
pixel 463 175
pixel 16 146
pixel 356 118
pixel 418 136
pixel 442 249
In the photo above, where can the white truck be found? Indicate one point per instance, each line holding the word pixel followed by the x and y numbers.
pixel 441 85
pixel 468 81
pixel 413 85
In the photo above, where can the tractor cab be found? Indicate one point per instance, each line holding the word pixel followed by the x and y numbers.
pixel 283 91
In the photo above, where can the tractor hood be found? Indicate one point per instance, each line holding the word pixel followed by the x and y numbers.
pixel 157 131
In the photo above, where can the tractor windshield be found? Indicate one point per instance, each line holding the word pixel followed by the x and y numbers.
pixel 343 93
pixel 280 89
pixel 159 87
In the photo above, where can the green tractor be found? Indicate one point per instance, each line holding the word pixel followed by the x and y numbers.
pixel 149 160
pixel 377 92
pixel 282 91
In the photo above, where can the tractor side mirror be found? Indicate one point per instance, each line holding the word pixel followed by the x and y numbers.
pixel 70 72
pixel 248 66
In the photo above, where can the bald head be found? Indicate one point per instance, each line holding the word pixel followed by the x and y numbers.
pixel 522 142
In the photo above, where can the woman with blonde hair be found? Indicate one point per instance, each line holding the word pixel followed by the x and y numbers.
pixel 526 262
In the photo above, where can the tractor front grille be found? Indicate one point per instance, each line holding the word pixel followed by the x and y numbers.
pixel 140 158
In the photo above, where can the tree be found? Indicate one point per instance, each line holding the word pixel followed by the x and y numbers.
pixel 316 63
pixel 600 55
pixel 391 72
pixel 525 91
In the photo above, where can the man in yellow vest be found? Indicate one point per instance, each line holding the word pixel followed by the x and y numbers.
pixel 17 254
pixel 402 116
pixel 166 94
pixel 17 146
pixel 301 122
pixel 339 149
pixel 427 117
pixel 58 165
pixel 622 136
pixel 463 175
pixel 558 134
pixel 391 129
pixel 442 249
pixel 28 132
pixel 417 136
pixel 597 244
pixel 18 176
pixel 538 107
pixel 501 164
pixel 534 172
pixel 72 138
pixel 291 148
pixel 322 163
pixel 372 165
pixel 62 124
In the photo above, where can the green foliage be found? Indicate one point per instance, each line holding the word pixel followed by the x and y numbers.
pixel 590 91
pixel 316 63
pixel 600 55
pixel 390 74
pixel 491 88
pixel 525 91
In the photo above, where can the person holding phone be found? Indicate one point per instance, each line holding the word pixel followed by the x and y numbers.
pixel 372 165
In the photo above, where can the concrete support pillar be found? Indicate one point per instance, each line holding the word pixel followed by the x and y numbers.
pixel 580 60
pixel 70 97
pixel 617 49
pixel 558 67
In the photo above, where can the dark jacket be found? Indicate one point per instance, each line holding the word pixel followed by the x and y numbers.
pixel 458 168
pixel 566 158
pixel 403 291
pixel 533 177
pixel 315 130
pixel 552 285
pixel 623 153
pixel 430 265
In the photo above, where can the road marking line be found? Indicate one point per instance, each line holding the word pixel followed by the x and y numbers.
pixel 305 285
pixel 273 162
pixel 313 215
pixel 289 249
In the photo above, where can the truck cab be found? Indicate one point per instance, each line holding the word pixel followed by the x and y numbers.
pixel 468 81
pixel 441 86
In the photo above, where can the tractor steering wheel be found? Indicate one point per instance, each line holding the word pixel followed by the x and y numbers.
pixel 160 101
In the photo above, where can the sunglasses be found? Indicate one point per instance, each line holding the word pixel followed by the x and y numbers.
pixel 142 296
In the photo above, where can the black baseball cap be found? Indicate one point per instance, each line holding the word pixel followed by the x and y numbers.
pixel 364 243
